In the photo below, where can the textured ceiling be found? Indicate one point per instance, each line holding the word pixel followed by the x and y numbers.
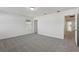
pixel 39 11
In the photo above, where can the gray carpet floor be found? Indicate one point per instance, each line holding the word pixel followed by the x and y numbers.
pixel 32 43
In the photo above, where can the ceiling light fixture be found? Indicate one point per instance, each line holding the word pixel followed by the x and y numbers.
pixel 32 8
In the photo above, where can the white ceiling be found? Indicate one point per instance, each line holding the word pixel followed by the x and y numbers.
pixel 25 11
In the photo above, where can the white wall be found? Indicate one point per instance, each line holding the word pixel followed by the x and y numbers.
pixel 53 24
pixel 12 25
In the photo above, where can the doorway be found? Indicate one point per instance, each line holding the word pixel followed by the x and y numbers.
pixel 35 26
pixel 69 27
pixel 69 30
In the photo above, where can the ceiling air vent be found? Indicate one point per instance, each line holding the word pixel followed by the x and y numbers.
pixel 28 20
pixel 45 13
pixel 58 11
